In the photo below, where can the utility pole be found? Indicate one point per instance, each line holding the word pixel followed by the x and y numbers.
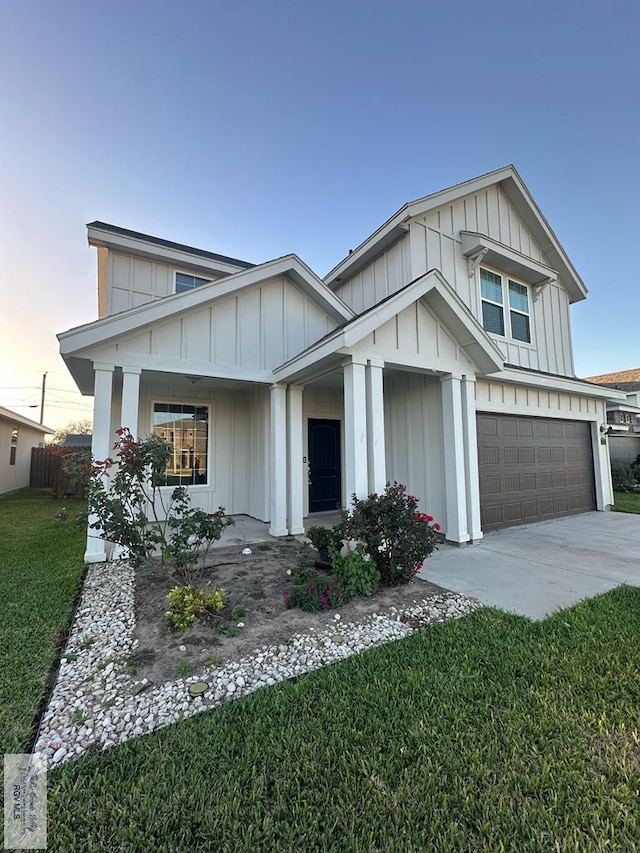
pixel 44 383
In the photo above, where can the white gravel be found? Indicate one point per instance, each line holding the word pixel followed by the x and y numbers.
pixel 96 704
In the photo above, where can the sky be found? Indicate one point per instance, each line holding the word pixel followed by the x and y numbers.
pixel 256 129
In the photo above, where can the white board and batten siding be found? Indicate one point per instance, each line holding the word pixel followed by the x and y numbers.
pixel 253 330
pixel 416 337
pixel 434 242
pixel 132 281
pixel 414 438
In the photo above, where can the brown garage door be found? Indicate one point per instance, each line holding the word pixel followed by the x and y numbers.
pixel 532 469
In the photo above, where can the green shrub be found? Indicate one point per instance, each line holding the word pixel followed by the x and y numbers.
pixel 622 476
pixel 189 602
pixel 396 536
pixel 356 571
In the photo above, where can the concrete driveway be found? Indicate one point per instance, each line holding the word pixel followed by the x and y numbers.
pixel 539 568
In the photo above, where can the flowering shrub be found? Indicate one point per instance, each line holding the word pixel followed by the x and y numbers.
pixel 396 536
pixel 320 592
pixel 131 510
pixel 189 602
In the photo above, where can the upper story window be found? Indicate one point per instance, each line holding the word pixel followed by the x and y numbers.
pixel 505 306
pixel 184 281
pixel 14 447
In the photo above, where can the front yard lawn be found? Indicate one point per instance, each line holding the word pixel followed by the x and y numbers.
pixel 627 502
pixel 41 567
pixel 489 733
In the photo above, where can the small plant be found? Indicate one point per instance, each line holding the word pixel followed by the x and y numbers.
pixel 302 573
pixel 182 668
pixel 396 536
pixel 324 539
pixel 356 571
pixel 86 641
pixel 228 630
pixel 318 593
pixel 61 514
pixel 622 477
pixel 79 718
pixel 189 602
pixel 213 660
pixel 238 613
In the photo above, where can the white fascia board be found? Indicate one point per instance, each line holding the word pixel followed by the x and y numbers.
pixel 373 243
pixel 20 420
pixel 100 237
pixel 108 328
pixel 557 383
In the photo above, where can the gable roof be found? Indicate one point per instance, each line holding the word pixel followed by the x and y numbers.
pixel 433 289
pixel 517 193
pixel 101 331
pixel 102 234
pixel 20 420
pixel 622 377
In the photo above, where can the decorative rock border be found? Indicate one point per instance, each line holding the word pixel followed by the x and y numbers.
pixel 95 704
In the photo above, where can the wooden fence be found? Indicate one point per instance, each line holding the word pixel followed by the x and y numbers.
pixel 47 471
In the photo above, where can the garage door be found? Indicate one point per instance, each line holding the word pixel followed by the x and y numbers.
pixel 532 469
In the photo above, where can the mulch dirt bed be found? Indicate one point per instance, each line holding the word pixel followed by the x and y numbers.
pixel 254 582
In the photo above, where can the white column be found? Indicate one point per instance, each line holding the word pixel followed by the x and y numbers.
pixel 278 459
pixel 130 398
pixel 295 506
pixel 454 460
pixel 100 448
pixel 470 432
pixel 355 429
pixel 377 468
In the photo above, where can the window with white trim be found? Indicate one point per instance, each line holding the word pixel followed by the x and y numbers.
pixel 505 311
pixel 185 281
pixel 186 428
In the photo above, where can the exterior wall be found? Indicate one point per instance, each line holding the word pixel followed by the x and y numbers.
pixel 382 277
pixel 255 329
pixel 132 281
pixel 16 476
pixel 624 448
pixel 415 337
pixel 541 402
pixel 238 444
pixel 434 243
pixel 414 438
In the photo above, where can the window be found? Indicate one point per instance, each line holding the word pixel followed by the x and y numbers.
pixel 184 281
pixel 494 317
pixel 14 447
pixel 187 430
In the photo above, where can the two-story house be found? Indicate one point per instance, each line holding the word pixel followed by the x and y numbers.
pixel 437 353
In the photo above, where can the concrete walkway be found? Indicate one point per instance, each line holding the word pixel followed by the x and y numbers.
pixel 537 569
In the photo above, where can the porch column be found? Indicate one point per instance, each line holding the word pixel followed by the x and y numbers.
pixel 377 469
pixel 100 448
pixel 295 467
pixel 469 427
pixel 278 459
pixel 454 460
pixel 355 429
pixel 130 398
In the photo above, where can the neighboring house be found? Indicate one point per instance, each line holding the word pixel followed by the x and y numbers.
pixel 17 436
pixel 623 416
pixel 75 439
pixel 437 353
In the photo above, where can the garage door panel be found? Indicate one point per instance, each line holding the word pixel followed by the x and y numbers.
pixel 533 468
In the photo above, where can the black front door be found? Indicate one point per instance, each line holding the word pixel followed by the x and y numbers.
pixel 324 465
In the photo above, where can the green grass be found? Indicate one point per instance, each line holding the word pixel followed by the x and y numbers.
pixel 40 573
pixel 491 733
pixel 627 502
